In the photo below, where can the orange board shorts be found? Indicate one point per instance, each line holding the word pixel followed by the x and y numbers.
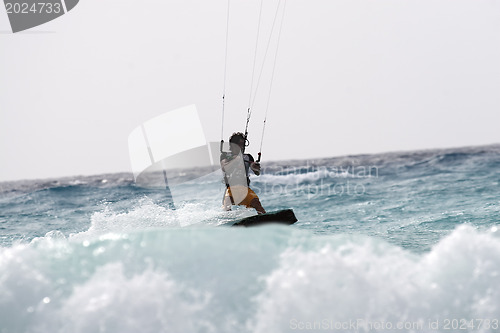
pixel 243 194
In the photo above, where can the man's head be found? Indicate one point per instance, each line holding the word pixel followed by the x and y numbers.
pixel 237 140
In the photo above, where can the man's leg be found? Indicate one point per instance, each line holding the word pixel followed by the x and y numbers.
pixel 226 202
pixel 255 203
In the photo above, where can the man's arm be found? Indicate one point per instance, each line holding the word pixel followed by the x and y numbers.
pixel 255 166
pixel 226 159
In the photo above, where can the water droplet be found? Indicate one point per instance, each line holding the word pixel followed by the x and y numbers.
pixel 46 300
pixel 100 250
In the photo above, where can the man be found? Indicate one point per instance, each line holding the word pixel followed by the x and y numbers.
pixel 236 166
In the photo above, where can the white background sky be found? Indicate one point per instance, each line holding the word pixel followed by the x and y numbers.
pixel 353 76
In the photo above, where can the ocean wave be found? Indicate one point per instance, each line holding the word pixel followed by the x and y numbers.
pixel 270 279
pixel 378 288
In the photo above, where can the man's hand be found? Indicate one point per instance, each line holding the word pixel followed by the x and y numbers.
pixel 255 166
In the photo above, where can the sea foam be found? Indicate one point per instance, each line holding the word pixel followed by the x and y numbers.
pixel 269 279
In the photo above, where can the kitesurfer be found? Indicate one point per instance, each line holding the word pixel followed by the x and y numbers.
pixel 236 166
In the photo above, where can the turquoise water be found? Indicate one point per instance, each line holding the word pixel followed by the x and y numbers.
pixel 403 242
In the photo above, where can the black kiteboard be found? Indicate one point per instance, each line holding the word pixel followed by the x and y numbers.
pixel 285 216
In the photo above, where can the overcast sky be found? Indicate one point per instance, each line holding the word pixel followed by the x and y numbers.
pixel 351 77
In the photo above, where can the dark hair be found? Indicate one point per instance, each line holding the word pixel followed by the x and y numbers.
pixel 237 136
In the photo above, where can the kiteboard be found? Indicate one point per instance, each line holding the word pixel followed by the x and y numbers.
pixel 285 216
